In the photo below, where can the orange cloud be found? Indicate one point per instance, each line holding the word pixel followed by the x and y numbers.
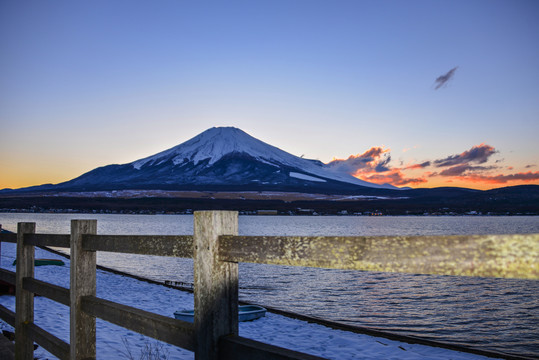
pixel 468 167
pixel 501 178
pixel 418 166
pixel 374 159
pixel 394 177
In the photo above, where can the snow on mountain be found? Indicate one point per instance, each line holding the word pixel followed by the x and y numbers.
pixel 305 177
pixel 215 143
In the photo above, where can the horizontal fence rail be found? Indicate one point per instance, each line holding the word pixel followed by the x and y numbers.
pixel 7 276
pixel 55 240
pixel 172 331
pixel 7 315
pixel 51 343
pixel 50 291
pixel 506 256
pixel 8 237
pixel 240 348
pixel 174 246
pixel 216 249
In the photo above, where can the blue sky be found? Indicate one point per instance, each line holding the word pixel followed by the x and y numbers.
pixel 86 84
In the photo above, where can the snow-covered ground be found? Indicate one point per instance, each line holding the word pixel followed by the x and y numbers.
pixel 115 342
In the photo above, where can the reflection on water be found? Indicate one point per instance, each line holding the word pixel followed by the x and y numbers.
pixel 493 314
pixel 472 311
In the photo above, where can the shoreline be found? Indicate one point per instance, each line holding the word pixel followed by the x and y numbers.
pixel 441 201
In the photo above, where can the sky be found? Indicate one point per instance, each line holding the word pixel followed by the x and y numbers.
pixel 413 93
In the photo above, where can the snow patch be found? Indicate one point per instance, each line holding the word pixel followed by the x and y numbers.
pixel 305 177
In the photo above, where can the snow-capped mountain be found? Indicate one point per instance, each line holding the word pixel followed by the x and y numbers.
pixel 223 158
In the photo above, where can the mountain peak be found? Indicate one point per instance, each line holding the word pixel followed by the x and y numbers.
pixel 212 145
pixel 222 131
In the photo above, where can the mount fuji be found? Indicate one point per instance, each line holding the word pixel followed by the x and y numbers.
pixel 219 159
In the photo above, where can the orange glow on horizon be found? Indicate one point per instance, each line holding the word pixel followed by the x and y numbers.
pixel 22 180
pixel 470 182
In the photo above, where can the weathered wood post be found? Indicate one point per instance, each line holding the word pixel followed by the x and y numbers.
pixel 82 283
pixel 216 282
pixel 24 302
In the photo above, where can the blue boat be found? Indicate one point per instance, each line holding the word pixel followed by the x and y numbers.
pixel 245 313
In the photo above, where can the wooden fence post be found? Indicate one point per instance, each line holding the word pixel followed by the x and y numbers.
pixel 216 282
pixel 82 283
pixel 24 302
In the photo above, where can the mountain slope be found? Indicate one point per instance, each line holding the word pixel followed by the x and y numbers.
pixel 223 159
pixel 215 144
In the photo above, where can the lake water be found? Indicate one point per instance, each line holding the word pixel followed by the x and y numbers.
pixel 492 314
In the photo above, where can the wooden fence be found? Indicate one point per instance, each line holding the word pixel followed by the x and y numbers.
pixel 216 249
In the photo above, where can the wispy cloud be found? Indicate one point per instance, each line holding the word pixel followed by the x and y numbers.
pixel 502 178
pixel 478 154
pixel 410 148
pixel 464 168
pixel 418 166
pixel 443 79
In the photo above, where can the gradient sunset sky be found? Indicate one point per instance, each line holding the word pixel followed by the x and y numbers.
pixel 414 93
